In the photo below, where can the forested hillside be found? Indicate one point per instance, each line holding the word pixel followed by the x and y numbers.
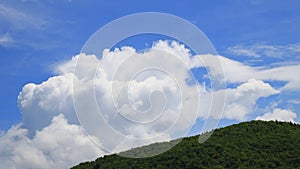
pixel 255 144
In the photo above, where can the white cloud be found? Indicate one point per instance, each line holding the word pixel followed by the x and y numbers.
pixel 237 72
pixel 285 73
pixel 59 145
pixel 149 91
pixel 241 101
pixel 144 107
pixel 150 99
pixel 280 115
pixel 257 50
pixel 46 100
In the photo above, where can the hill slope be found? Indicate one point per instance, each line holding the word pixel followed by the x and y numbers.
pixel 255 144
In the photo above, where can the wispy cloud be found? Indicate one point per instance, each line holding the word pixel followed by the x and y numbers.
pixel 22 26
pixel 294 101
pixel 258 50
pixel 6 40
pixel 19 19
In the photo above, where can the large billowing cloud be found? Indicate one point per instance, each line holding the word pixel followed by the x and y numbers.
pixel 153 105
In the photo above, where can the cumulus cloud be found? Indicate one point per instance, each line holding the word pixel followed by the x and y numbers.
pixel 44 101
pixel 280 115
pixel 142 92
pixel 127 99
pixel 241 100
pixel 48 109
pixel 59 145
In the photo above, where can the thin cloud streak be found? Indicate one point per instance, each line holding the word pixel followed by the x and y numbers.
pixel 258 50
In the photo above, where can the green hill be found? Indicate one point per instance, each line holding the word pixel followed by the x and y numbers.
pixel 255 144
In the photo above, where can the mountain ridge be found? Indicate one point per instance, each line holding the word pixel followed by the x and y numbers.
pixel 254 144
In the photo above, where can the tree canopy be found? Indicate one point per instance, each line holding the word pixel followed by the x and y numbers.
pixel 255 144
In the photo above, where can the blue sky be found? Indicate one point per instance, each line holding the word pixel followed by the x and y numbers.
pixel 257 42
pixel 37 34
pixel 56 30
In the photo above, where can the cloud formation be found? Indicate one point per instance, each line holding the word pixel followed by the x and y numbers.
pixel 59 145
pixel 279 115
pixel 237 72
pixel 142 106
pixel 46 100
pixel 242 100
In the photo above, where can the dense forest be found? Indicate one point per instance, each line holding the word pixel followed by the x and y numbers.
pixel 255 144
